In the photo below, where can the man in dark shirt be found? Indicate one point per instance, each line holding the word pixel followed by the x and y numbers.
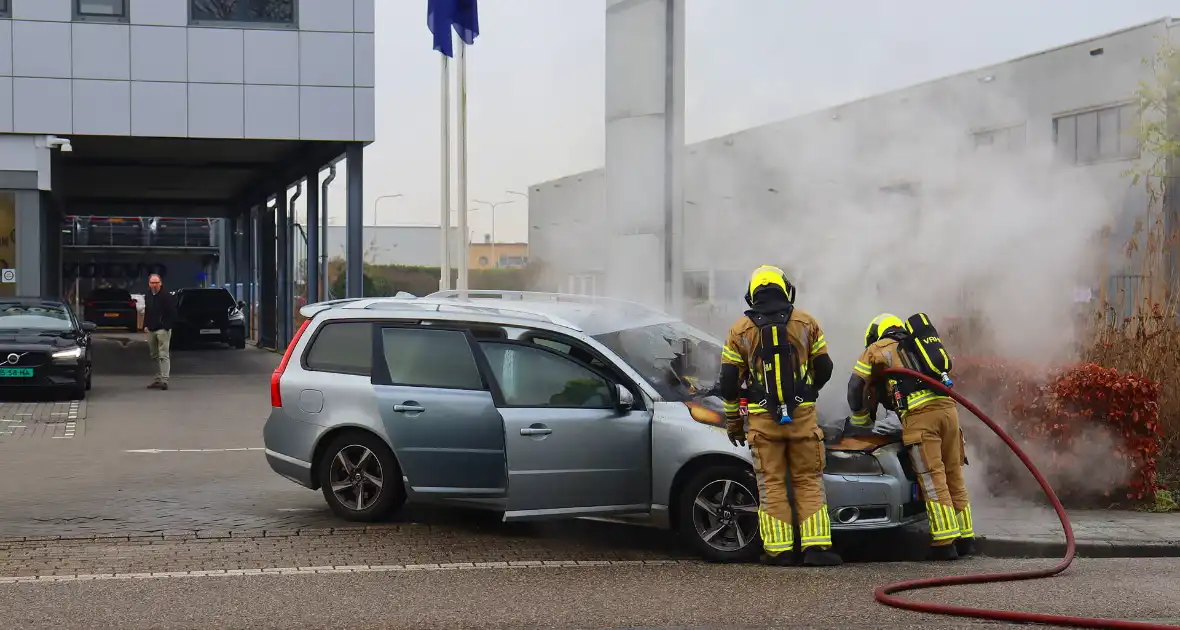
pixel 159 313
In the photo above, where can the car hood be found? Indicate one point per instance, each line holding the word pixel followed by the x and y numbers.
pixel 26 341
pixel 704 411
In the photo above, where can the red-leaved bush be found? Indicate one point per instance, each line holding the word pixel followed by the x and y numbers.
pixel 1093 431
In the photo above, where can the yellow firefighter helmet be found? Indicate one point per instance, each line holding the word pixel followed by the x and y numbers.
pixel 880 324
pixel 769 275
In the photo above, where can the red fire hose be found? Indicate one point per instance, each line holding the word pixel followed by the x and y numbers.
pixel 885 594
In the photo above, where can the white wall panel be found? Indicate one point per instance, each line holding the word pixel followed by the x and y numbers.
pixel 326 59
pixel 53 10
pixel 5 104
pixel 364 20
pixel 272 57
pixel 159 53
pixel 160 12
pixel 326 15
pixel 364 59
pixel 42 106
pixel 215 110
pixel 41 49
pixel 272 112
pixel 101 51
pixel 325 113
pixel 364 108
pixel 5 47
pixel 215 55
pixel 159 109
pixel 102 108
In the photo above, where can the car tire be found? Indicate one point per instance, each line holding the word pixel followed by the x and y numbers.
pixel 741 510
pixel 343 501
pixel 78 392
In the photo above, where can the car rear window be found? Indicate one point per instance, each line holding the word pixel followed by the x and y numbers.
pixel 210 298
pixel 342 347
pixel 110 294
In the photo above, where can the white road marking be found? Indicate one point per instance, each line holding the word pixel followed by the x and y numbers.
pixel 297 510
pixel 355 568
pixel 192 450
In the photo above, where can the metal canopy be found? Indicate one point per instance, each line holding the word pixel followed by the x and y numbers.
pixel 180 177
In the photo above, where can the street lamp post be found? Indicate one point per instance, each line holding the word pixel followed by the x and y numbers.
pixel 495 262
pixel 377 200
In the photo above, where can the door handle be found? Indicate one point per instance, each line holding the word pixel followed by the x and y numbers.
pixel 535 431
pixel 409 408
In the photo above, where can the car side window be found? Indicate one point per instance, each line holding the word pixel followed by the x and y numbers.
pixel 570 351
pixel 532 377
pixel 422 357
pixel 343 348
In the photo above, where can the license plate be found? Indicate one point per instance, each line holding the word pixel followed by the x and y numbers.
pixel 110 314
pixel 210 331
pixel 16 372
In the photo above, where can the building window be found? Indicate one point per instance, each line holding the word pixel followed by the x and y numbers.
pixel 270 12
pixel 1003 139
pixel 5 8
pixel 1097 135
pixel 483 261
pixel 113 10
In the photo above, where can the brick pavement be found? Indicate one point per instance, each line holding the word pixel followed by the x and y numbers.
pixel 395 544
pixel 63 420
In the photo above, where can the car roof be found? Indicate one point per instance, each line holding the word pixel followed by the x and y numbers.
pixel 589 315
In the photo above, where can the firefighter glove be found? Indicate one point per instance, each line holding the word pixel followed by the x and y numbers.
pixel 736 428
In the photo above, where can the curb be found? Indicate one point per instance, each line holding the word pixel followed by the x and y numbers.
pixel 999 547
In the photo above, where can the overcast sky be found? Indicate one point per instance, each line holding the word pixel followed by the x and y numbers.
pixel 535 79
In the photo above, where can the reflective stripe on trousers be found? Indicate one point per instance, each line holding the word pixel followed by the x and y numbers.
pixel 778 536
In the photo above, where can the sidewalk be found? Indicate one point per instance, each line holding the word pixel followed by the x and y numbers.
pixel 1034 531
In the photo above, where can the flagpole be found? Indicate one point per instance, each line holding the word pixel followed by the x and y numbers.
pixel 461 132
pixel 444 224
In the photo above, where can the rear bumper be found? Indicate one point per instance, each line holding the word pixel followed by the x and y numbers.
pixel 113 318
pixel 290 447
pixel 868 502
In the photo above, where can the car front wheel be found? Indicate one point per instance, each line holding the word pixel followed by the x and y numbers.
pixel 359 478
pixel 719 514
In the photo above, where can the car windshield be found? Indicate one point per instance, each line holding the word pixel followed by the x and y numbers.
pixel 680 362
pixel 47 317
pixel 208 299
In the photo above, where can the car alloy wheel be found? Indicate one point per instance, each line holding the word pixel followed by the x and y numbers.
pixel 725 515
pixel 356 477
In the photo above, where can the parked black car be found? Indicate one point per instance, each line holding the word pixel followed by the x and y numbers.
pixel 43 344
pixel 110 306
pixel 209 315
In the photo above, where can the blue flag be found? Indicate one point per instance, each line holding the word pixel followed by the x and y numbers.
pixel 443 15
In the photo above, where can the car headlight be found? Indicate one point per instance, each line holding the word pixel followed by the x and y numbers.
pixel 71 353
pixel 852 463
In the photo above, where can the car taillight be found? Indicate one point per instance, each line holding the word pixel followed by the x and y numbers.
pixel 276 397
pixel 89 304
pixel 131 303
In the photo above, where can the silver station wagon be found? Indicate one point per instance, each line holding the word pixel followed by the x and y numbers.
pixel 539 406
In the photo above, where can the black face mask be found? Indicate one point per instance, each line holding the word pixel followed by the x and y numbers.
pixel 769 300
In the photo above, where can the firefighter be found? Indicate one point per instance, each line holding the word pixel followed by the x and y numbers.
pixel 779 354
pixel 930 432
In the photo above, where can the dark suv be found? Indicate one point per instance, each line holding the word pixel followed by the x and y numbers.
pixel 209 315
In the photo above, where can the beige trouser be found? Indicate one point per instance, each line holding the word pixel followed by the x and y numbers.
pixel 158 345
pixel 790 454
pixel 935 442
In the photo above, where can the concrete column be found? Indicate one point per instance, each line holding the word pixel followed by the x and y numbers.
pixel 313 236
pixel 354 251
pixel 283 293
pixel 267 264
pixel 644 143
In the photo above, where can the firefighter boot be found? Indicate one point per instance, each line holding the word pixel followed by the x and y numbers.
pixel 966 547
pixel 784 559
pixel 943 553
pixel 814 557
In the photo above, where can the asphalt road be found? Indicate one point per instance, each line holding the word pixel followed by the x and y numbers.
pixel 592 597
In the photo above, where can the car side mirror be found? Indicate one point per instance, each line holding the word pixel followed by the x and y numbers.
pixel 624 401
pixel 89 326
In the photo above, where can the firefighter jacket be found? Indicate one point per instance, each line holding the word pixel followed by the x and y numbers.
pixel 741 351
pixel 868 385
